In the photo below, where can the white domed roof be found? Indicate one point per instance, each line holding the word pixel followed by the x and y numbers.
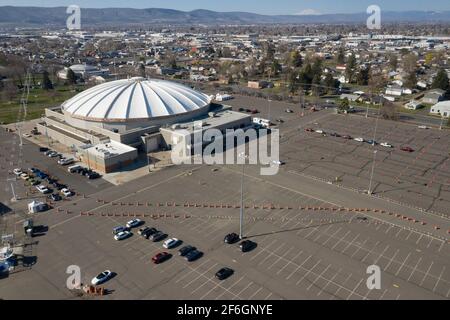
pixel 135 98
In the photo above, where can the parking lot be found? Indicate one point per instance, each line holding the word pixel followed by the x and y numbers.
pixel 301 254
pixel 314 240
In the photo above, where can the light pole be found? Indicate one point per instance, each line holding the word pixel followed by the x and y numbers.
pixel 241 213
pixel 371 174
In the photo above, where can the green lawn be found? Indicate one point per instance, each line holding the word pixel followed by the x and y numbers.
pixel 38 100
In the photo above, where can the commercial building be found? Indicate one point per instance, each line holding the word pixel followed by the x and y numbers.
pixel 107 125
pixel 441 108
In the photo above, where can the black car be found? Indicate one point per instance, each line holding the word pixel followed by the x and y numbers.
pixel 55 197
pixel 51 180
pixel 231 238
pixel 147 232
pixel 334 134
pixel 83 171
pixel 43 149
pixel 157 236
pixel 247 245
pixel 59 186
pixel 185 250
pixel 93 175
pixel 224 273
pixel 193 255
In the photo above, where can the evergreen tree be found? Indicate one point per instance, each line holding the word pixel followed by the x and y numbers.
pixel 350 69
pixel 340 57
pixel 46 82
pixel 71 77
pixel 363 76
pixel 441 81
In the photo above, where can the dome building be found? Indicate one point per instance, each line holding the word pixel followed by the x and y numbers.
pixel 110 123
pixel 133 103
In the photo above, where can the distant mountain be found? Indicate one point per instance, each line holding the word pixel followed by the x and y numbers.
pixel 40 16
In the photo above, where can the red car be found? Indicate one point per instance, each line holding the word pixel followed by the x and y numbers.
pixel 254 111
pixel 407 149
pixel 309 130
pixel 161 257
pixel 347 137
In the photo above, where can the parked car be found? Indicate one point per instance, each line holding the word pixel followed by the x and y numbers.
pixel 65 161
pixel 24 176
pixel 224 273
pixel 247 245
pixel 42 189
pixel 423 127
pixel 231 238
pixel 309 130
pixel 66 192
pixel 93 175
pixel 33 170
pixel 17 171
pixel 34 182
pixel 147 232
pixel 48 152
pixel 134 223
pixel 279 120
pixel 43 149
pixel 55 197
pixel 161 257
pixel 334 134
pixel 407 149
pixel 122 235
pixel 372 142
pixel 347 137
pixel 157 236
pixel 385 144
pixel 319 131
pixel 359 139
pixel 119 229
pixel 53 154
pixel 171 243
pixel 288 111
pixel 101 277
pixel 254 111
pixel 59 186
pixel 185 250
pixel 278 162
pixel 193 255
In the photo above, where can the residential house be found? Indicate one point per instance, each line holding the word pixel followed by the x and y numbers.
pixel 433 96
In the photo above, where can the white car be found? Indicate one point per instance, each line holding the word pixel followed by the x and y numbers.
pixel 122 235
pixel 385 144
pixel 278 162
pixel 320 131
pixel 170 243
pixel 53 154
pixel 42 189
pixel 359 139
pixel 65 161
pixel 26 135
pixel 17 171
pixel 423 127
pixel 134 223
pixel 66 192
pixel 24 176
pixel 101 277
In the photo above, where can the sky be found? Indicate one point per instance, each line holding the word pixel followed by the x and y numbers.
pixel 257 6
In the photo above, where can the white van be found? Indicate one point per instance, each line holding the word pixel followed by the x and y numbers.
pixel 74 168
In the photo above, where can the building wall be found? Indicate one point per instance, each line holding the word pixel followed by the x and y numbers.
pixel 58 136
